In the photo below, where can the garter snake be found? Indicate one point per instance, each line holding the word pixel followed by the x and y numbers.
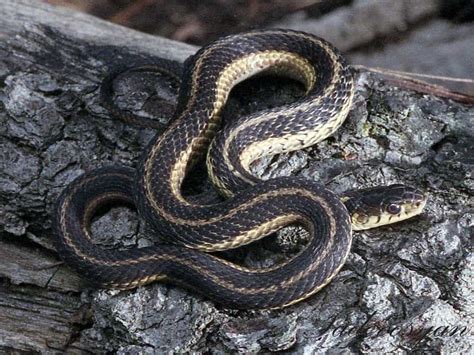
pixel 252 208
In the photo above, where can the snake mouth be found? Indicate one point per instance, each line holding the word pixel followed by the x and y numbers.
pixel 415 207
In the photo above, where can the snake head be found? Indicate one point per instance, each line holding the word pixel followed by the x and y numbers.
pixel 378 206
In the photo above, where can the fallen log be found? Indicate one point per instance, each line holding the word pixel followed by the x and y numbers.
pixel 404 287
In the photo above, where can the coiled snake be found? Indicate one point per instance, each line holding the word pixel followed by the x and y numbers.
pixel 252 208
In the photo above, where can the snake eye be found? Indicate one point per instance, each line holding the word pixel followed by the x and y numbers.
pixel 393 208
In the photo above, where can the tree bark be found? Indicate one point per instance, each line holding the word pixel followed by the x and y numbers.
pixel 413 276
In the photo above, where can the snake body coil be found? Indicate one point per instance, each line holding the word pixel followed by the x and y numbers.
pixel 253 208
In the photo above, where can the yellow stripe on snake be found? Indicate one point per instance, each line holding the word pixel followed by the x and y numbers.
pixel 252 209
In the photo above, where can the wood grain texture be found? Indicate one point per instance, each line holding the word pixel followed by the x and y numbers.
pixel 40 304
pixel 21 14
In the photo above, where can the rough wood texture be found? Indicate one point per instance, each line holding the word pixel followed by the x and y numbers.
pixel 400 284
pixel 18 15
pixel 41 315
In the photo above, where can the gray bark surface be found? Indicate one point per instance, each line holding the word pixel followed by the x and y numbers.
pixel 405 287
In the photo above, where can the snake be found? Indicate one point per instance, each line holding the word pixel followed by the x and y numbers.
pixel 191 229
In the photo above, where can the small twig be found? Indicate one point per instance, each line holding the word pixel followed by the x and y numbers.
pixel 48 266
pixel 405 80
pixel 299 6
pixel 410 74
pixel 123 17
